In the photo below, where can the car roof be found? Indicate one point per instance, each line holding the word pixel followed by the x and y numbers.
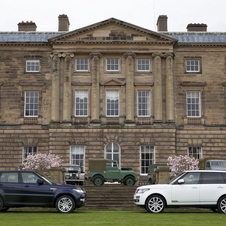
pixel 203 171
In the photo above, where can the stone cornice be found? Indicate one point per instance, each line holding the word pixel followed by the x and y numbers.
pixel 193 84
pixel 81 83
pixel 31 83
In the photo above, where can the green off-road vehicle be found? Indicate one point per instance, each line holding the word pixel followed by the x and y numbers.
pixel 105 170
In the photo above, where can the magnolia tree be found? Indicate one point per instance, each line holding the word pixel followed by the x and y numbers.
pixel 182 162
pixel 41 163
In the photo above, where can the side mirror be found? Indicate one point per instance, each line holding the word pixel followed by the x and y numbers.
pixel 40 182
pixel 181 181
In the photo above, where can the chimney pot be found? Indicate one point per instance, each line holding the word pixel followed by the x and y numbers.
pixel 27 26
pixel 63 23
pixel 197 27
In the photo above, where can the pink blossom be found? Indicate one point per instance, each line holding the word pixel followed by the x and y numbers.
pixel 41 163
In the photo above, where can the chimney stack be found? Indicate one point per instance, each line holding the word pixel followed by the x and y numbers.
pixel 63 23
pixel 162 23
pixel 197 27
pixel 27 26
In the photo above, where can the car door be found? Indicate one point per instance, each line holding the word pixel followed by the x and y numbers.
pixel 212 187
pixel 35 194
pixel 10 188
pixel 186 193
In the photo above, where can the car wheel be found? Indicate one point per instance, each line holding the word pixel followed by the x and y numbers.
pixel 1 204
pixel 222 205
pixel 155 204
pixel 129 181
pixel 98 181
pixel 65 204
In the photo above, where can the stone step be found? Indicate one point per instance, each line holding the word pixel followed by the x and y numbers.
pixel 110 197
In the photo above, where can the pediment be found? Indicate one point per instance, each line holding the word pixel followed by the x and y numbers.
pixel 112 30
pixel 112 82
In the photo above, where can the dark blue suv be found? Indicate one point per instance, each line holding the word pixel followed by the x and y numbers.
pixel 28 188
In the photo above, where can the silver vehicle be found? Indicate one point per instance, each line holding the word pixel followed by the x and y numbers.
pixel 73 174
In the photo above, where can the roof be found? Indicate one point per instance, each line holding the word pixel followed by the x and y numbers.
pixel 197 37
pixel 22 36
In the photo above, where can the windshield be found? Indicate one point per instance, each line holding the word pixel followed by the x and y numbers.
pixel 46 179
pixel 175 178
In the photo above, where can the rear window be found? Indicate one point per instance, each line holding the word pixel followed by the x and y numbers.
pixel 212 178
pixel 9 177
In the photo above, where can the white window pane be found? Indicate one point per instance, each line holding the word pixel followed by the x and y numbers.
pixel 193 104
pixel 78 156
pixel 143 103
pixel 112 64
pixel 32 65
pixel 143 64
pixel 81 102
pixel 112 105
pixel 31 103
pixel 147 157
pixel 82 64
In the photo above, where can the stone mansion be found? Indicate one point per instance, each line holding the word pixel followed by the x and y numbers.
pixel 112 90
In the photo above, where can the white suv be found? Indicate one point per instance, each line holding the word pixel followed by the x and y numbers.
pixel 199 188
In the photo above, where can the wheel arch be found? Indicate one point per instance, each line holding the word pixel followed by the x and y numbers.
pixel 224 195
pixel 158 195
pixel 128 175
pixel 68 194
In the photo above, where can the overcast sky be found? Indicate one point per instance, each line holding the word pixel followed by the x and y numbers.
pixel 143 13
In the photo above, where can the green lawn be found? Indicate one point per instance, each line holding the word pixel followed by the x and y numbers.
pixel 107 218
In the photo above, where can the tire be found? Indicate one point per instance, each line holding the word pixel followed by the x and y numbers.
pixel 1 204
pixel 222 205
pixel 98 180
pixel 155 204
pixel 129 181
pixel 65 204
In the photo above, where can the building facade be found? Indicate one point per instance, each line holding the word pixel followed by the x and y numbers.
pixel 112 90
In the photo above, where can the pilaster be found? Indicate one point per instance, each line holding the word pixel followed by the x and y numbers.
pixel 130 66
pixel 157 87
pixel 169 88
pixel 55 100
pixel 95 91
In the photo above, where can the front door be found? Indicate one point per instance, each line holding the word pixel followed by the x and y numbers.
pixel 188 192
pixel 35 194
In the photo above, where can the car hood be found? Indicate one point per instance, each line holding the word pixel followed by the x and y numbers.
pixel 66 186
pixel 154 186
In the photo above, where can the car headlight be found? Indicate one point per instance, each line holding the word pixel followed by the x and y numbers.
pixel 78 190
pixel 140 191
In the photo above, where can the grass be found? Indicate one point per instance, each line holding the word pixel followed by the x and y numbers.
pixel 108 218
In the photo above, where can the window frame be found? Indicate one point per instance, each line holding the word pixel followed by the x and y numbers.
pixel 25 103
pixel 77 91
pixel 79 64
pixel 147 115
pixel 192 60
pixel 34 61
pixel 79 159
pixel 112 152
pixel 109 64
pixel 151 151
pixel 149 65
pixel 199 104
pixel 32 152
pixel 114 104
pixel 196 154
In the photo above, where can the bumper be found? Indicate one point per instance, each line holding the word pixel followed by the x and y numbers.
pixel 139 199
pixel 81 201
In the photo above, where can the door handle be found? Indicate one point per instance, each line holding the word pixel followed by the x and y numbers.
pixel 26 186
pixel 220 187
pixel 194 187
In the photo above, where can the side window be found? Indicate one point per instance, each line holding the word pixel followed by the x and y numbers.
pixel 29 178
pixel 32 66
pixel 31 103
pixel 28 151
pixel 212 178
pixel 191 178
pixel 224 176
pixel 9 177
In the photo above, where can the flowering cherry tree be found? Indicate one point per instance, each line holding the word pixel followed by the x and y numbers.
pixel 41 163
pixel 181 163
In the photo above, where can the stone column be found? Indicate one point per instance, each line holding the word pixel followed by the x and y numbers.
pixel 169 88
pixel 67 89
pixel 95 91
pixel 157 87
pixel 130 86
pixel 55 101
